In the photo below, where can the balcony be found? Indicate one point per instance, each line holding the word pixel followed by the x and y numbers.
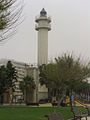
pixel 38 18
pixel 37 27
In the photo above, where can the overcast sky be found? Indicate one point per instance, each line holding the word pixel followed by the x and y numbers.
pixel 70 30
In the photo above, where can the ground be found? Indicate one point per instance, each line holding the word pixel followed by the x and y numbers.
pixel 31 113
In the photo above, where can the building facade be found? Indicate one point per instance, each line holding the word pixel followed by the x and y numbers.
pixel 23 70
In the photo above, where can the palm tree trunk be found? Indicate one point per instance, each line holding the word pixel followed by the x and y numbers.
pixel 1 99
pixel 26 96
pixel 71 101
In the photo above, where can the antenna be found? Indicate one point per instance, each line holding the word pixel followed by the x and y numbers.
pixel 44 3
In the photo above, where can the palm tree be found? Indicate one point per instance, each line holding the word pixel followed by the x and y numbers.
pixel 27 86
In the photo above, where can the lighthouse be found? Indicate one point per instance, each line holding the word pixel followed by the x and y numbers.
pixel 43 26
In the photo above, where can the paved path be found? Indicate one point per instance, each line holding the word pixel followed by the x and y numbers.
pixel 88 118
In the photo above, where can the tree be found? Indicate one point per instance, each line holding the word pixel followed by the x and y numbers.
pixel 27 86
pixel 3 81
pixel 8 77
pixel 48 76
pixel 11 76
pixel 72 72
pixel 66 75
pixel 83 90
pixel 10 11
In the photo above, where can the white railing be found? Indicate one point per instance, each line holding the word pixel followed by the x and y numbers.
pixel 43 17
pixel 43 26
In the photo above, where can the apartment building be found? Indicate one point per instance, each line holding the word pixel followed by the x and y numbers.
pixel 22 71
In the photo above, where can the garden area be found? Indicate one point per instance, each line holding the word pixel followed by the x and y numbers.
pixel 31 113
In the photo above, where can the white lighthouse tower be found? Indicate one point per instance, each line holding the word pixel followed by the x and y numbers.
pixel 43 26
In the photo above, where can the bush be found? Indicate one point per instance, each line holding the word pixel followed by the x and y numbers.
pixel 42 101
pixel 36 104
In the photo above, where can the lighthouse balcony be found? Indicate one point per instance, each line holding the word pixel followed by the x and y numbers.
pixel 39 18
pixel 37 27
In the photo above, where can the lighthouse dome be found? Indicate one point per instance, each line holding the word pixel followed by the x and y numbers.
pixel 43 12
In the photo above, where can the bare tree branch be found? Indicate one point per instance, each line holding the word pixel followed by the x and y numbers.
pixel 10 17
